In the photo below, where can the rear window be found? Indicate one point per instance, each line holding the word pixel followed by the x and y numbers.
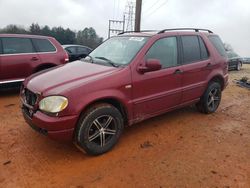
pixel 13 45
pixel 217 43
pixel 43 45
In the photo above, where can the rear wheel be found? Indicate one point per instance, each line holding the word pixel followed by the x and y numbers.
pixel 210 100
pixel 99 129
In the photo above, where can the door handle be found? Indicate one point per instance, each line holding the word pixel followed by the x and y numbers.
pixel 34 59
pixel 178 71
pixel 209 65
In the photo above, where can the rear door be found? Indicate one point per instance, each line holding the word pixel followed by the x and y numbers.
pixel 17 59
pixel 196 67
pixel 155 92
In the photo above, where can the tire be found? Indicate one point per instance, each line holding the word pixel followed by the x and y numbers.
pixel 99 129
pixel 210 100
pixel 238 67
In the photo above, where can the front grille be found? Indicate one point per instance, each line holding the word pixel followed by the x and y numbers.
pixel 27 117
pixel 27 111
pixel 30 97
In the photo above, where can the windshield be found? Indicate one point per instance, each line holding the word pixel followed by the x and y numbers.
pixel 118 50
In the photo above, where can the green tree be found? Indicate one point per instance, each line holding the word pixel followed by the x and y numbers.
pixel 13 29
pixel 88 37
pixel 46 31
pixel 35 29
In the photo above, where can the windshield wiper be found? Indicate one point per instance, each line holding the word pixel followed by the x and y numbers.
pixel 108 60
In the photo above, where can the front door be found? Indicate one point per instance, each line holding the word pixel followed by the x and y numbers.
pixel 157 91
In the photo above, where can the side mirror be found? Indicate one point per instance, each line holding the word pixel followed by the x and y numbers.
pixel 150 65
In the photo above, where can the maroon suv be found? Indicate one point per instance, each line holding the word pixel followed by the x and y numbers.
pixel 23 55
pixel 127 79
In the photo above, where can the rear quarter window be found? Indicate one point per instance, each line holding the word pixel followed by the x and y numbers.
pixel 14 45
pixel 43 45
pixel 71 50
pixel 217 43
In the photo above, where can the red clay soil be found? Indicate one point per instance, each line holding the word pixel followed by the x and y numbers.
pixel 179 149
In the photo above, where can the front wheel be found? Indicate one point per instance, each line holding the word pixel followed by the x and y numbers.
pixel 210 100
pixel 99 129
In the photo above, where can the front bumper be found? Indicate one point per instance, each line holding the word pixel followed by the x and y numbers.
pixel 57 128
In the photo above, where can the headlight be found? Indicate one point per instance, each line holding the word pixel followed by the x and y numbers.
pixel 53 104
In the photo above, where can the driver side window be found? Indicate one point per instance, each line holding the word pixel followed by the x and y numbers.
pixel 165 50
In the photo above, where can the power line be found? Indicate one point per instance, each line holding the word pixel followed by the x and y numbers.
pixel 159 7
pixel 145 3
pixel 114 10
pixel 150 7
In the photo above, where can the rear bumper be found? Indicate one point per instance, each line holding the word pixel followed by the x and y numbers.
pixel 57 128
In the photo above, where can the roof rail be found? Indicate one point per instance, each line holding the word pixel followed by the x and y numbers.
pixel 137 31
pixel 195 29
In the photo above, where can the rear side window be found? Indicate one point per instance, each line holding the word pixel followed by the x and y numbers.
pixel 164 50
pixel 82 50
pixel 217 43
pixel 194 49
pixel 13 45
pixel 43 45
pixel 71 50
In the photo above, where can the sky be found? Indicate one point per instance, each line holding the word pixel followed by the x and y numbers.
pixel 230 19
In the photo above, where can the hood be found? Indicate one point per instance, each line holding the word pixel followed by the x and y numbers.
pixel 65 77
pixel 234 58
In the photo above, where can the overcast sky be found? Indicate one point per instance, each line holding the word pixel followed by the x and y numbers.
pixel 228 18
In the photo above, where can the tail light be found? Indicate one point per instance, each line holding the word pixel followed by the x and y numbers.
pixel 65 58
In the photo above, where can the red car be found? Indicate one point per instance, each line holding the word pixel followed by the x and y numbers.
pixel 127 79
pixel 23 55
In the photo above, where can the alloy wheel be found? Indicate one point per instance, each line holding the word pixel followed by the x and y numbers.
pixel 102 130
pixel 213 99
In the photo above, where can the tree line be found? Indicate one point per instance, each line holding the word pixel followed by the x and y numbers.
pixel 87 36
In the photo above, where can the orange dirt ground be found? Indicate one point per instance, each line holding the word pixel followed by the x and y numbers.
pixel 179 149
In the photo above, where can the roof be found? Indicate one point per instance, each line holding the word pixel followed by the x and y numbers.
pixel 24 35
pixel 74 45
pixel 148 33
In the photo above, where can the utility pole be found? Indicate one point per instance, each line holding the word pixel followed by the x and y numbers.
pixel 138 15
pixel 115 26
